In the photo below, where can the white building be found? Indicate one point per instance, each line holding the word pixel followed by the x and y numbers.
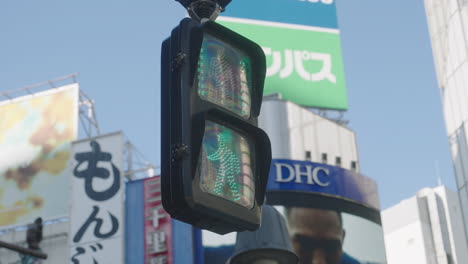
pixel 297 133
pixel 426 228
pixel 448 28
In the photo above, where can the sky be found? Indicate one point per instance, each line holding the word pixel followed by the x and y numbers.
pixel 394 103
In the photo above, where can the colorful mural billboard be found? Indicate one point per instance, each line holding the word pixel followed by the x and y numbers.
pixel 36 132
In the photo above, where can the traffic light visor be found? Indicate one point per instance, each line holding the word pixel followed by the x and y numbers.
pixel 223 76
pixel 226 165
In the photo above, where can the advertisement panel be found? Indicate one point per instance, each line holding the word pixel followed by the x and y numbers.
pixel 332 215
pixel 321 178
pixel 334 237
pixel 36 132
pixel 158 227
pixel 317 13
pixel 304 60
pixel 97 205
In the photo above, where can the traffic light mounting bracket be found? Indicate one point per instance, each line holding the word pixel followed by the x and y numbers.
pixel 204 10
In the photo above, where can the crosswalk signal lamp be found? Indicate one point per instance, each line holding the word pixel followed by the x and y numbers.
pixel 215 160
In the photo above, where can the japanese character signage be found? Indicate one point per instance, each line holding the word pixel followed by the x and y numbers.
pixel 36 134
pixel 303 51
pixel 96 215
pixel 158 229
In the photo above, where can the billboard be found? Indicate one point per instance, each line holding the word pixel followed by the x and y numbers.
pixel 332 215
pixel 333 237
pixel 97 205
pixel 312 177
pixel 36 132
pixel 317 236
pixel 157 224
pixel 303 51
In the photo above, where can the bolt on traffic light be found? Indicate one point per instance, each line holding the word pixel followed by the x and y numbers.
pixel 215 160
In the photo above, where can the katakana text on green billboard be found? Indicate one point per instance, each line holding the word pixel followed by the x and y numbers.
pixel 304 63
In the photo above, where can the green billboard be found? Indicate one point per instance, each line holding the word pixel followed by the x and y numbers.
pixel 304 63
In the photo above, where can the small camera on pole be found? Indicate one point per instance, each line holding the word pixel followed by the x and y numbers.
pixel 204 10
pixel 34 234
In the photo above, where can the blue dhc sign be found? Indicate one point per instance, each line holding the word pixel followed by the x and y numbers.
pixel 305 176
pixel 317 13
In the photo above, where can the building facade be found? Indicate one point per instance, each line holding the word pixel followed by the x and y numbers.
pixel 448 28
pixel 431 230
pixel 297 133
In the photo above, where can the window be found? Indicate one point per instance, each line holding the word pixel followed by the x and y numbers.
pixel 324 158
pixel 353 165
pixel 308 155
pixel 338 161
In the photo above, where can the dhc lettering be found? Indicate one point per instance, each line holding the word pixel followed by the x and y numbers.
pixel 310 174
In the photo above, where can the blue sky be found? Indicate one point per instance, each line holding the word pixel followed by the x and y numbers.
pixel 394 104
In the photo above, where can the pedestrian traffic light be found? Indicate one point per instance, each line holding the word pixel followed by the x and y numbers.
pixel 215 160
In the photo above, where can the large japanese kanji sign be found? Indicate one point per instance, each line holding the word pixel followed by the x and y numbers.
pixel 96 215
pixel 303 51
pixel 158 227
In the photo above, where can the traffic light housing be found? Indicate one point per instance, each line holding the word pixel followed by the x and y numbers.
pixel 215 160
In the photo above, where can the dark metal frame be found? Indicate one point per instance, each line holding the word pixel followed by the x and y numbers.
pixel 184 115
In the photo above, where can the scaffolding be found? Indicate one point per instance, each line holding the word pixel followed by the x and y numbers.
pixel 87 115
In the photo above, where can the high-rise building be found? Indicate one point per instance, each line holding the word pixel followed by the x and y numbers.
pixel 300 134
pixel 448 28
pixel 426 228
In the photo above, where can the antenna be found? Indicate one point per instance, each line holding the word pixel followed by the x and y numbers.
pixel 439 178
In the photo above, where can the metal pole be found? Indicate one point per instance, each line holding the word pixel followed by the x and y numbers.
pixel 26 251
